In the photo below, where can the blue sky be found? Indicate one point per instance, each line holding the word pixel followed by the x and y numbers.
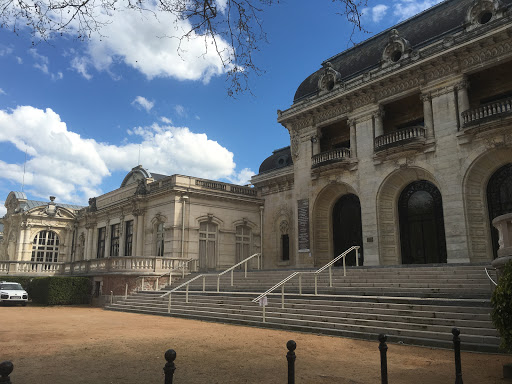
pixel 81 111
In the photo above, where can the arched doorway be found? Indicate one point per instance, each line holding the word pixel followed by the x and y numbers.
pixel 346 227
pixel 422 237
pixel 499 199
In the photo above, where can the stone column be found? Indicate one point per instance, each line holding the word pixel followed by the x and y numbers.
pixel 462 99
pixel 378 117
pixel 315 144
pixel 134 234
pixel 140 234
pixel 69 242
pixel 428 118
pixel 108 236
pixel 122 235
pixel 21 242
pixel 90 243
pixel 353 144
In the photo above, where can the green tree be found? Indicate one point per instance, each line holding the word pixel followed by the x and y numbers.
pixel 501 313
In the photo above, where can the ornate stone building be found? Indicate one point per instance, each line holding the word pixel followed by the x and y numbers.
pixel 401 144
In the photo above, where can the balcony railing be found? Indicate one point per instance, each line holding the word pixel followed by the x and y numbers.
pixel 486 111
pixel 399 137
pixel 115 265
pixel 334 155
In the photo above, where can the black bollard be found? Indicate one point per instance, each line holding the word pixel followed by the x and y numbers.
pixel 170 356
pixel 5 370
pixel 290 356
pixel 383 348
pixel 456 348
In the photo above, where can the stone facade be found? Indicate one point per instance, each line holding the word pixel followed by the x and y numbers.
pixel 434 112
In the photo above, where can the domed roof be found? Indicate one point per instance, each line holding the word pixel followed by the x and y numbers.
pixel 280 158
pixel 433 24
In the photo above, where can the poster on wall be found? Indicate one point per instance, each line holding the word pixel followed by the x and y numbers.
pixel 303 219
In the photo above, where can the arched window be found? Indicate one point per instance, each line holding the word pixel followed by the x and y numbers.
pixel 45 247
pixel 499 199
pixel 160 239
pixel 243 242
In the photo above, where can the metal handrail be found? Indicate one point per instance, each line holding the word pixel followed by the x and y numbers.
pixel 288 278
pixel 187 283
pixel 183 262
pixel 231 269
pixel 490 278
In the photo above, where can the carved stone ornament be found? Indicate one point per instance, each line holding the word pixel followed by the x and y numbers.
pixel 396 49
pixel 483 11
pixel 142 188
pixel 329 78
pixel 283 227
pixel 295 144
pixel 92 205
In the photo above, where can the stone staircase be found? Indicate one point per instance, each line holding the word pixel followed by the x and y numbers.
pixel 416 305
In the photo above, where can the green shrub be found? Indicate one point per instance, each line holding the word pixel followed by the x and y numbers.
pixel 24 281
pixel 57 290
pixel 501 313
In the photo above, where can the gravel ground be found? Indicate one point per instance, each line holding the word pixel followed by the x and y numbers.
pixel 58 345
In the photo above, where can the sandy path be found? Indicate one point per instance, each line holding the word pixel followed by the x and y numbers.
pixel 58 345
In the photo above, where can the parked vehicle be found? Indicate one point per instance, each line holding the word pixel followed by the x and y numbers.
pixel 12 293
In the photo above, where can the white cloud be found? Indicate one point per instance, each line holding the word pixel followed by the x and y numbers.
pixel 165 120
pixel 2 92
pixel 79 64
pixel 180 110
pixel 64 164
pixel 144 103
pixel 378 12
pixel 152 46
pixel 243 177
pixel 19 60
pixel 42 62
pixel 4 51
pixel 408 8
pixel 3 210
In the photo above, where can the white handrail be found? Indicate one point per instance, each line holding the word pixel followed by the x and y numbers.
pixel 288 278
pixel 490 278
pixel 187 283
pixel 231 269
pixel 183 263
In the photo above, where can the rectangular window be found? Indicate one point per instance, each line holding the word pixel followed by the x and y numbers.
pixel 101 243
pixel 114 240
pixel 128 238
pixel 285 247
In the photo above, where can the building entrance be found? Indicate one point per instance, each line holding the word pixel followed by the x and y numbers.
pixel 346 228
pixel 499 199
pixel 422 236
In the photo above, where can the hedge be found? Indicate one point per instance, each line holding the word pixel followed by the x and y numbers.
pixel 55 290
pixel 501 302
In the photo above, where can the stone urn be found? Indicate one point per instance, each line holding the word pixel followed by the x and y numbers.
pixel 503 224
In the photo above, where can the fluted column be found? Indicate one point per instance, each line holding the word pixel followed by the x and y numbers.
pixel 69 233
pixel 378 117
pixel 134 235
pixel 122 236
pixel 90 243
pixel 140 234
pixel 21 242
pixel 428 117
pixel 462 99
pixel 108 236
pixel 353 144
pixel 315 145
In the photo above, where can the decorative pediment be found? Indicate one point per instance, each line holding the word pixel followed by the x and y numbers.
pixel 396 49
pixel 329 78
pixel 483 11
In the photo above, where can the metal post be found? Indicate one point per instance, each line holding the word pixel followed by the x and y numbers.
pixel 245 265
pixel 316 284
pixel 169 368
pixel 218 284
pixel 263 313
pixel 186 294
pixel 204 283
pixel 330 276
pixel 6 369
pixel 344 268
pixel 142 286
pixel 290 356
pixel 456 348
pixel 170 278
pixel 231 277
pixel 300 284
pixel 357 257
pixel 157 283
pixel 169 304
pixel 111 297
pixel 182 270
pixel 383 348
pixel 282 296
pixel 126 291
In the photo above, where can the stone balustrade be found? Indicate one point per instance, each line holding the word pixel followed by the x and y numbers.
pixel 399 137
pixel 334 155
pixel 486 112
pixel 111 265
